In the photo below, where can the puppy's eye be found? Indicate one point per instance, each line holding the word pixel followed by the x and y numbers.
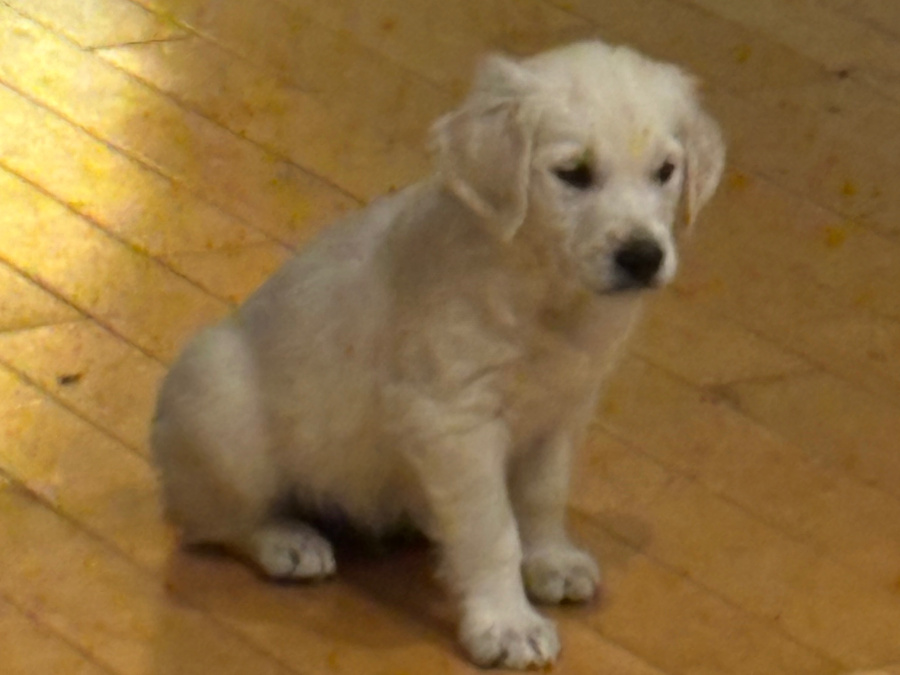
pixel 665 172
pixel 580 176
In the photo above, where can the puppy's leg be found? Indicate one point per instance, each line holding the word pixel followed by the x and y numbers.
pixel 220 484
pixel 554 570
pixel 464 480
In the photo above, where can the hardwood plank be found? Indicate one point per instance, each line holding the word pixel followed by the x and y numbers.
pixel 98 375
pixel 83 473
pixel 681 627
pixel 343 139
pixel 851 264
pixel 798 277
pixel 882 16
pixel 810 27
pixel 101 602
pixel 400 30
pixel 128 291
pixel 700 434
pixel 708 349
pixel 131 202
pixel 233 273
pixel 724 53
pixel 404 31
pixel 27 305
pixel 682 524
pixel 857 37
pixel 98 23
pixel 847 341
pixel 887 670
pixel 348 110
pixel 831 420
pixel 797 139
pixel 256 186
pixel 330 65
pixel 27 648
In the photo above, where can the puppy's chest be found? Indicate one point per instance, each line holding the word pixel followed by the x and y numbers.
pixel 552 377
pixel 565 356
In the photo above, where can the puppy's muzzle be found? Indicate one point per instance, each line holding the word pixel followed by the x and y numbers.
pixel 638 262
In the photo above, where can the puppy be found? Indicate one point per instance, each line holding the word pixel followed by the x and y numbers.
pixel 435 358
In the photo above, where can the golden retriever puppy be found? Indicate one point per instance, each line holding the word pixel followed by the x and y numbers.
pixel 435 358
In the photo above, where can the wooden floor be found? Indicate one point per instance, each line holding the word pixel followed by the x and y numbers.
pixel 742 484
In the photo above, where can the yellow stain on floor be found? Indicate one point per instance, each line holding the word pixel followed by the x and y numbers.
pixel 835 236
pixel 742 53
pixel 738 180
pixel 849 188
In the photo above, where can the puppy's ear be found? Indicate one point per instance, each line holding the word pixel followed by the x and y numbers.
pixel 705 160
pixel 484 147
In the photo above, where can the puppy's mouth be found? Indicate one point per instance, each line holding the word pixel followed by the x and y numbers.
pixel 629 287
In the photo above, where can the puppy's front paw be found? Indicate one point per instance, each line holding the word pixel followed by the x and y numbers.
pixel 560 574
pixel 509 639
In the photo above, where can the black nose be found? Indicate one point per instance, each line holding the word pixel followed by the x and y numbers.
pixel 640 259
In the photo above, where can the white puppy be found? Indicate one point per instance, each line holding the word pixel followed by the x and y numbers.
pixel 435 358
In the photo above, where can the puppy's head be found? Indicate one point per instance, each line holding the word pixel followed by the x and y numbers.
pixel 599 153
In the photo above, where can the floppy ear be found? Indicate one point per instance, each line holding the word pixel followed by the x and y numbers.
pixel 704 162
pixel 484 148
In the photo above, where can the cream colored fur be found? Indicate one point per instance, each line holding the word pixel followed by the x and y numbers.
pixel 435 358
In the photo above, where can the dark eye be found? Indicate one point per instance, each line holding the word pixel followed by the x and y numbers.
pixel 665 172
pixel 580 176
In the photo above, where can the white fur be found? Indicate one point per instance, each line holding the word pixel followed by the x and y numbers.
pixel 435 358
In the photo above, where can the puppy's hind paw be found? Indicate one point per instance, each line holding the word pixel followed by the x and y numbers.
pixel 516 640
pixel 560 574
pixel 292 551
